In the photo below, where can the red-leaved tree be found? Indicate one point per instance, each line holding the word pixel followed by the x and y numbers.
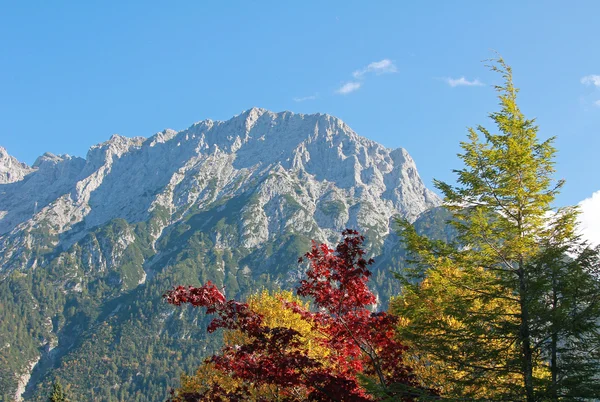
pixel 360 344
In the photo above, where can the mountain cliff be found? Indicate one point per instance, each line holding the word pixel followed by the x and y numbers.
pixel 11 169
pixel 87 246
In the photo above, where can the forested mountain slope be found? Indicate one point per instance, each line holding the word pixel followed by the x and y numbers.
pixel 88 246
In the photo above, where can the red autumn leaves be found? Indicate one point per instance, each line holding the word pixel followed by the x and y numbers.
pixel 360 344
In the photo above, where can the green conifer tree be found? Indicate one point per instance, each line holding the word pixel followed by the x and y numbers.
pixel 58 394
pixel 525 299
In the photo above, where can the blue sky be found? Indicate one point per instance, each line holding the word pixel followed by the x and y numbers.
pixel 74 73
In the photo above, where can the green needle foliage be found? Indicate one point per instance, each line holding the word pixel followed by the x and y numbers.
pixel 515 301
pixel 58 393
pixel 566 319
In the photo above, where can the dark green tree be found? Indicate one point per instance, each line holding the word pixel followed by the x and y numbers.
pixel 532 258
pixel 565 319
pixel 58 393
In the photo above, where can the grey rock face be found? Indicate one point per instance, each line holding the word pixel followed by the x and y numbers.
pixel 11 169
pixel 310 174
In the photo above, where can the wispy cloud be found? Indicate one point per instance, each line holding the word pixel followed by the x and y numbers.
pixel 306 98
pixel 591 80
pixel 463 82
pixel 589 219
pixel 348 88
pixel 384 66
pixel 597 103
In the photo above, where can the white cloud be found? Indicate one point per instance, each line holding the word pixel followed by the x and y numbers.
pixel 597 103
pixel 306 98
pixel 348 87
pixel 589 219
pixel 384 66
pixel 591 80
pixel 462 81
pixel 378 67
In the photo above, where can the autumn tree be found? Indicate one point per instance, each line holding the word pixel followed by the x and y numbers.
pixel 358 344
pixel 272 307
pixel 508 272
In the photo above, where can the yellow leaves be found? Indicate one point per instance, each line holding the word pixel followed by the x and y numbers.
pixel 448 344
pixel 271 306
pixel 206 376
pixel 275 314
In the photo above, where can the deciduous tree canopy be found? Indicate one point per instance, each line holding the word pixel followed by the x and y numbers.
pixel 355 344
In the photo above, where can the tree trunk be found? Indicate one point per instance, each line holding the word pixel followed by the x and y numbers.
pixel 554 342
pixel 526 353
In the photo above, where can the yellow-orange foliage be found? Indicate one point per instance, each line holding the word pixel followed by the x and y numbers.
pixel 275 314
pixel 445 308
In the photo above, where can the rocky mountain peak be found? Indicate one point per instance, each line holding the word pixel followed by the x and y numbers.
pixel 11 170
pixel 49 158
pixel 162 137
pixel 300 165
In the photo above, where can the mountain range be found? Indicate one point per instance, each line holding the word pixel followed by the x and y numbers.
pixel 88 245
